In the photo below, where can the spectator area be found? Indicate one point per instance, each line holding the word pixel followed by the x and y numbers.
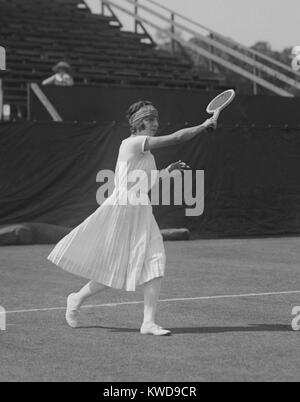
pixel 39 33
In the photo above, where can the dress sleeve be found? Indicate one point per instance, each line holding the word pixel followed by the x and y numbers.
pixel 136 145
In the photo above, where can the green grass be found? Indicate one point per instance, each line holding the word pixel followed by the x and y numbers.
pixel 226 339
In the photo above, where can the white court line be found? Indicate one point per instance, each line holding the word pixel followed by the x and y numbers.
pixel 161 301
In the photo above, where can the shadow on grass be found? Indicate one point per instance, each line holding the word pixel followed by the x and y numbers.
pixel 206 330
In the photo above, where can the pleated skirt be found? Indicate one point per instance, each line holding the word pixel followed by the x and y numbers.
pixel 119 246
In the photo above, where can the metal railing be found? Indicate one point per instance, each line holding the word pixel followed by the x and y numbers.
pixel 45 102
pixel 260 69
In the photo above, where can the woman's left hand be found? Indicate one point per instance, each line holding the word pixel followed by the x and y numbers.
pixel 179 165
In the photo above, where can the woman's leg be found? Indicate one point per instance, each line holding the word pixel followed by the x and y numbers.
pixel 90 289
pixel 75 300
pixel 151 296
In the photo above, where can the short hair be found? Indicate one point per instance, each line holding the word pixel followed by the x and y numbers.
pixel 135 107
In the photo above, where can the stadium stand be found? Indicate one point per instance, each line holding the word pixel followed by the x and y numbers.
pixel 37 34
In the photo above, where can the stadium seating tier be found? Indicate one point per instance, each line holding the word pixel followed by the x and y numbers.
pixel 39 33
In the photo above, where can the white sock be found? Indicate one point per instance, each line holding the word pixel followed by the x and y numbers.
pixel 90 289
pixel 151 296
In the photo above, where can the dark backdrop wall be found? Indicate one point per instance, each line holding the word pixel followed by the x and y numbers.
pixel 252 176
pixel 98 103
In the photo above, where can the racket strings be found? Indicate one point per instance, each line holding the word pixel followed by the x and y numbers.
pixel 219 101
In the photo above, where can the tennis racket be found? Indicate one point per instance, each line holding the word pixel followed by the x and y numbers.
pixel 219 103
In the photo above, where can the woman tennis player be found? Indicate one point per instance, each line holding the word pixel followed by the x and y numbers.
pixel 120 245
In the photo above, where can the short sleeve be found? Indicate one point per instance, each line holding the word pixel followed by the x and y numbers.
pixel 136 145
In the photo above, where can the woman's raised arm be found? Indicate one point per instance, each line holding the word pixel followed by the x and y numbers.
pixel 179 136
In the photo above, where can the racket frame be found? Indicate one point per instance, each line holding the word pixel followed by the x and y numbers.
pixel 217 111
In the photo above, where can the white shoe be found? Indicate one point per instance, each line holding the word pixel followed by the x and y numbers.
pixel 72 312
pixel 154 329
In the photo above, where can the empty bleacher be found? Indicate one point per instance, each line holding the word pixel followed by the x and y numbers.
pixel 39 33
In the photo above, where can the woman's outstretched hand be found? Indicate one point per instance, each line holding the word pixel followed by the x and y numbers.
pixel 211 124
pixel 179 165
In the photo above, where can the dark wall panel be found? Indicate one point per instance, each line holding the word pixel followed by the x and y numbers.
pixel 252 176
pixel 88 103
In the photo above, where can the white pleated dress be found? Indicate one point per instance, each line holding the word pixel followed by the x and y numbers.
pixel 120 244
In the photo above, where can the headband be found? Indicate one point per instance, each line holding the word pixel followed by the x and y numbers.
pixel 145 111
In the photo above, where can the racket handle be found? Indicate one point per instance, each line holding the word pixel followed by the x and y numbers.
pixel 215 117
